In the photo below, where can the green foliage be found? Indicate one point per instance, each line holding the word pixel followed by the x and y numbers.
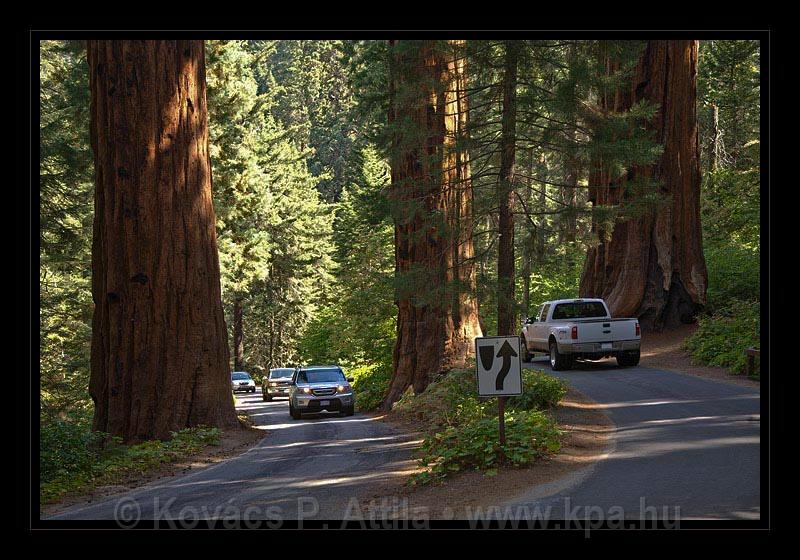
pixel 65 231
pixel 67 447
pixel 370 383
pixel 728 79
pixel 316 106
pixel 72 458
pixel 475 444
pixel 273 228
pixel 540 391
pixel 356 325
pixel 462 428
pixel 722 338
pixel 734 273
pixel 729 74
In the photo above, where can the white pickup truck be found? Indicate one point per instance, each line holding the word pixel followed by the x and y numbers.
pixel 580 328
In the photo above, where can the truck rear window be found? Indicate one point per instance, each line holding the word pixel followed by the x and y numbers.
pixel 579 310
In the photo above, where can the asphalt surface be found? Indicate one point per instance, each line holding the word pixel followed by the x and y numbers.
pixel 311 468
pixel 684 448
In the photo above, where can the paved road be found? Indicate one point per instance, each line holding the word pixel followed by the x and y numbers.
pixel 681 442
pixel 689 447
pixel 303 469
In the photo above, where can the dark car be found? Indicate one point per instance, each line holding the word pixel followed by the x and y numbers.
pixel 277 383
pixel 318 388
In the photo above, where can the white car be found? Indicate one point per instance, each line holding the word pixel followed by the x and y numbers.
pixel 580 328
pixel 241 381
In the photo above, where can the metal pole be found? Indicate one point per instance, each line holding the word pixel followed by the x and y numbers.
pixel 501 406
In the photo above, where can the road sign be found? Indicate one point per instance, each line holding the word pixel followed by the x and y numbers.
pixel 498 366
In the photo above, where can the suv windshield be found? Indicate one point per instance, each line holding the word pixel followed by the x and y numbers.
pixel 320 376
pixel 239 376
pixel 280 373
pixel 579 310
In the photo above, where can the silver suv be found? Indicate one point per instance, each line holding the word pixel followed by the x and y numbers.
pixel 277 383
pixel 318 388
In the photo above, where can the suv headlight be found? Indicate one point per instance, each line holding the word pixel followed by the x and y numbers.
pixel 306 390
pixel 343 389
pixel 273 384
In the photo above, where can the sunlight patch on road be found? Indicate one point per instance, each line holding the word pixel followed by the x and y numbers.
pixel 624 404
pixel 654 449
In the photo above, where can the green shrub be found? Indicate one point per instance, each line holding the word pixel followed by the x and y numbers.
pixel 67 447
pixel 722 338
pixel 370 383
pixel 450 399
pixel 540 391
pixel 734 274
pixel 462 429
pixel 475 444
pixel 73 458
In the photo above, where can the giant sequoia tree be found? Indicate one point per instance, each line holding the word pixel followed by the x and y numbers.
pixel 431 196
pixel 651 265
pixel 159 354
pixel 506 304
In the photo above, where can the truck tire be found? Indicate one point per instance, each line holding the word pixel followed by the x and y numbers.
pixel 526 356
pixel 630 358
pixel 295 414
pixel 559 361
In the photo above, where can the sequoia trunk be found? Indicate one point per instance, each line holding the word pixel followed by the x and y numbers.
pixel 159 346
pixel 652 266
pixel 238 336
pixel 505 195
pixel 431 197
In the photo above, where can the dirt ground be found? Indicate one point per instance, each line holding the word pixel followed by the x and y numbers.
pixel 232 443
pixel 587 440
pixel 663 351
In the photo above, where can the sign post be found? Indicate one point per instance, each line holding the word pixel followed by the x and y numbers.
pixel 498 372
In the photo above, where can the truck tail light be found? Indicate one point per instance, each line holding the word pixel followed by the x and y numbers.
pixel 574 332
pixel 638 330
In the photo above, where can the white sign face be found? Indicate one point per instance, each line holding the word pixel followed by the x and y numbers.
pixel 497 360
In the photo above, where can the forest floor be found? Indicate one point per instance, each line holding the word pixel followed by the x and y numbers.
pixel 587 439
pixel 232 442
pixel 662 350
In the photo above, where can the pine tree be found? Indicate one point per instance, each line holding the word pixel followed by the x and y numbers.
pixel 65 225
pixel 274 230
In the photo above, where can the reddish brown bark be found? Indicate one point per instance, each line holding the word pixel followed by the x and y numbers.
pixel 653 266
pixel 461 315
pixel 432 203
pixel 159 345
pixel 238 336
pixel 506 302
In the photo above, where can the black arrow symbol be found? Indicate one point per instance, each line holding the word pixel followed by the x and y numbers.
pixel 506 351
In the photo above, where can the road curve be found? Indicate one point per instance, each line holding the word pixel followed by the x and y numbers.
pixel 684 447
pixel 303 469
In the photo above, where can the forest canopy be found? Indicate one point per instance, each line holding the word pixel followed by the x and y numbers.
pixel 549 150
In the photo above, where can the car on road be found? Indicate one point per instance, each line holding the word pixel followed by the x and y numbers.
pixel 318 388
pixel 241 381
pixel 568 329
pixel 277 383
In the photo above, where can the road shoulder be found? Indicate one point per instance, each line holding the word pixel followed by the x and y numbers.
pixel 232 443
pixel 663 350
